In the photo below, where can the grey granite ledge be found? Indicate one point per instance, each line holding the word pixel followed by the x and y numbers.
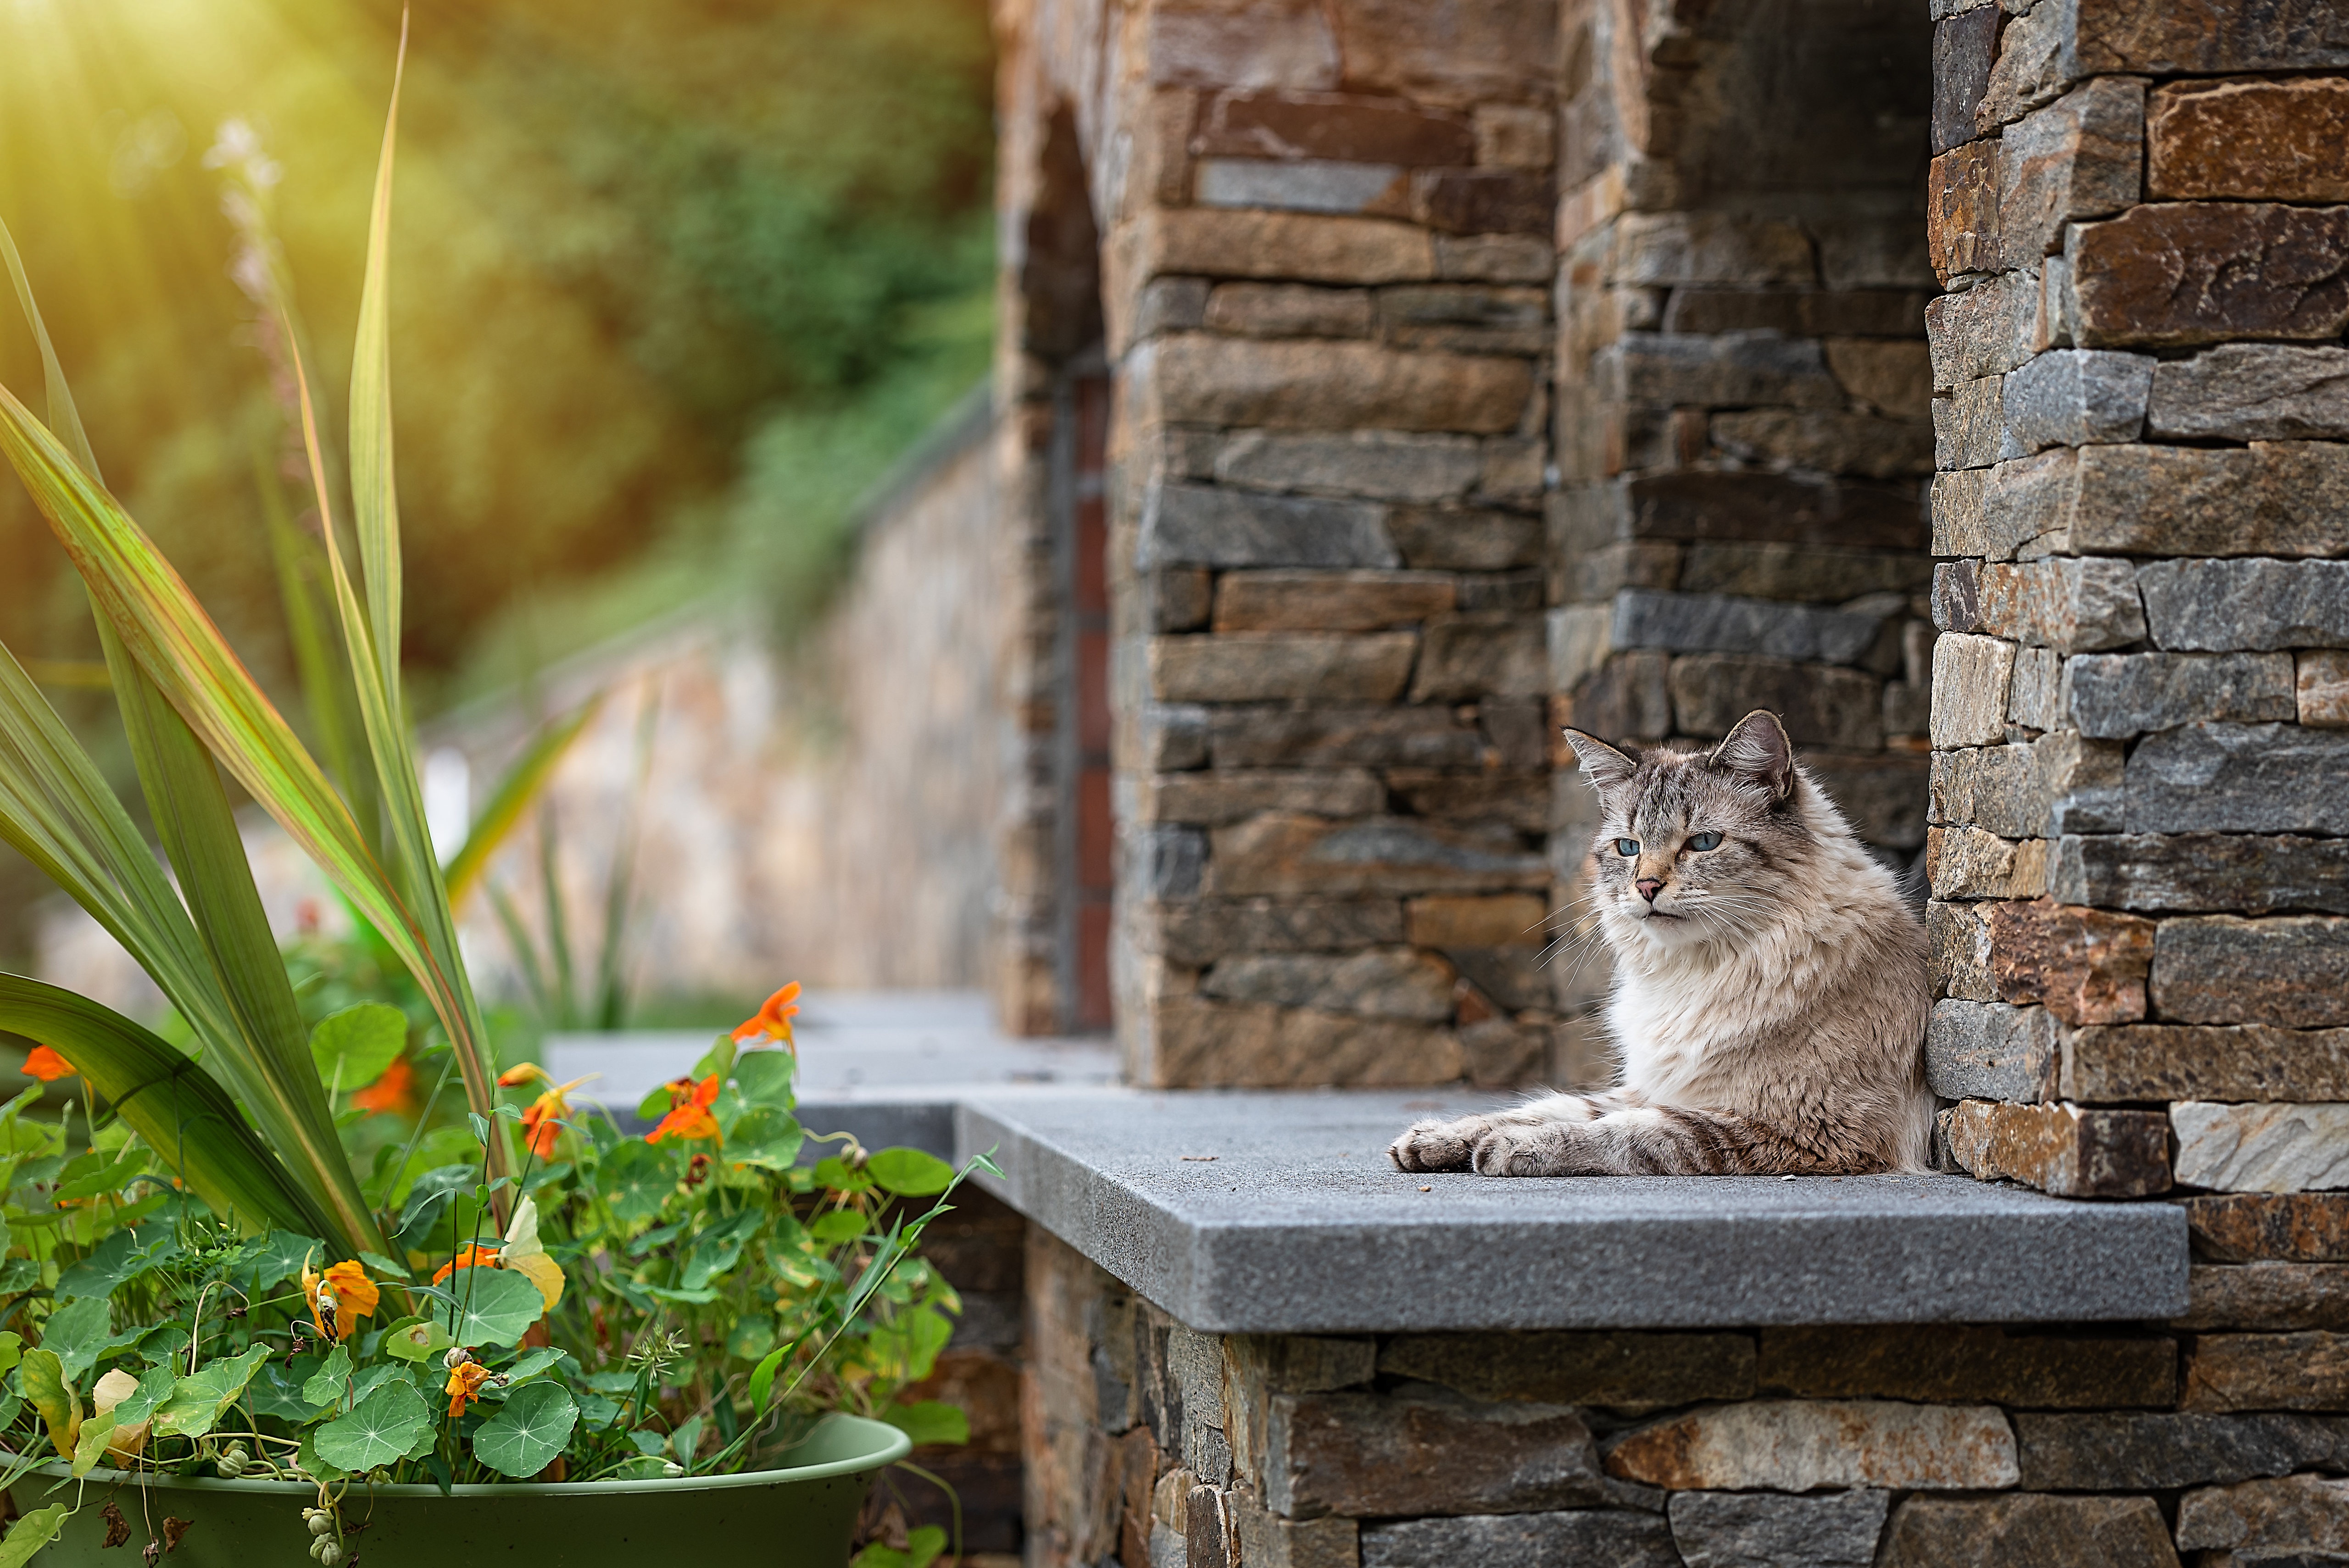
pixel 1299 1224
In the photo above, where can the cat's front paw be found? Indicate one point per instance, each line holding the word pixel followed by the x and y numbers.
pixel 1520 1151
pixel 1439 1145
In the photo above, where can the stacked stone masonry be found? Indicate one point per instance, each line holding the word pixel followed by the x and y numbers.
pixel 1943 1446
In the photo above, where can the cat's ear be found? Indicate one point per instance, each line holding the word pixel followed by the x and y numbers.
pixel 1756 748
pixel 1606 768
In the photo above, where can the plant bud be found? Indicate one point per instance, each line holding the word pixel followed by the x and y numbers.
pixel 671 1468
pixel 458 1356
pixel 329 1554
pixel 230 1465
pixel 321 1525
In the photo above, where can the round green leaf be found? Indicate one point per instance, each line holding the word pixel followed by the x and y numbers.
pixel 352 1048
pixel 379 1430
pixel 499 1306
pixel 910 1172
pixel 415 1338
pixel 523 1437
pixel 765 1077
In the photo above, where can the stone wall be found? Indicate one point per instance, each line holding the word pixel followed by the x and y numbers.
pixel 2141 771
pixel 1933 1447
pixel 1324 275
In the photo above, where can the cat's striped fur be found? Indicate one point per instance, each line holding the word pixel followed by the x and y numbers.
pixel 1770 992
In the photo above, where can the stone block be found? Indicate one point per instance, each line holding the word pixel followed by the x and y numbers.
pixel 2035 699
pixel 1470 657
pixel 2072 603
pixel 1278 853
pixel 1379 464
pixel 1877 312
pixel 1893 376
pixel 1987 330
pixel 1201 1044
pixel 1500 53
pixel 1759 1530
pixel 1957 940
pixel 1287 247
pixel 1967 864
pixel 2263 1148
pixel 2026 510
pixel 1907 711
pixel 1965 47
pixel 1302 185
pixel 1174 736
pixel 1520 801
pixel 2077 397
pixel 1791 572
pixel 1819 705
pixel 1971 1364
pixel 2205 1061
pixel 2306 1511
pixel 2252 391
pixel 1472 920
pixel 2187 872
pixel 2271 498
pixel 1425 1453
pixel 1279 601
pixel 2076 158
pixel 1802 1445
pixel 2255 141
pixel 1465 539
pixel 2283 1297
pixel 2084 965
pixel 1882 795
pixel 1630 698
pixel 1495 259
pixel 2238 779
pixel 1208 525
pixel 2112 697
pixel 1278 46
pixel 2032 67
pixel 2308 1371
pixel 1484 201
pixel 1267 1541
pixel 1990 1051
pixel 1613 1536
pixel 2320 687
pixel 1673 249
pixel 1328 736
pixel 1264 667
pixel 1827 441
pixel 1195 934
pixel 1288 310
pixel 1713 622
pixel 1327 126
pixel 1170 305
pixel 1779 509
pixel 1620 1371
pixel 1336 385
pixel 1179 598
pixel 2173 275
pixel 2256 604
pixel 1729 369
pixel 1392 982
pixel 1970 686
pixel 1471 319
pixel 1962 210
pixel 2203 37
pixel 2029 1527
pixel 2062 1148
pixel 2249 1227
pixel 2222 969
pixel 2058 783
pixel 1957 595
pixel 1969 425
pixel 1511 137
pixel 1212 795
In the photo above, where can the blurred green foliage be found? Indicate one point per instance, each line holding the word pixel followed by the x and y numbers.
pixel 677 280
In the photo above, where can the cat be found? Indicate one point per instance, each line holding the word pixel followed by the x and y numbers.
pixel 1770 991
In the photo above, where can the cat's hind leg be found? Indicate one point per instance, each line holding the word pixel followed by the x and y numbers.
pixel 1641 1140
pixel 1452 1145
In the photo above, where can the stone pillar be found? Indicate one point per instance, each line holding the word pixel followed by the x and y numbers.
pixel 2141 771
pixel 1743 431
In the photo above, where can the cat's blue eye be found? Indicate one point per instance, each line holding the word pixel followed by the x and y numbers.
pixel 1705 841
pixel 1627 847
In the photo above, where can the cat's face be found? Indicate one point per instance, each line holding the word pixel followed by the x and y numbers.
pixel 1696 847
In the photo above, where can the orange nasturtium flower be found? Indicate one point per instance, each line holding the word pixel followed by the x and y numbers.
pixel 356 1296
pixel 773 1019
pixel 538 1121
pixel 465 1380
pixel 46 1064
pixel 395 1091
pixel 471 1257
pixel 688 1110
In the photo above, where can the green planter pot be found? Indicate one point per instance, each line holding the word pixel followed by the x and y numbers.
pixel 797 1518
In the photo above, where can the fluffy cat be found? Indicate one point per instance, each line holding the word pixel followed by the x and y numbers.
pixel 1770 989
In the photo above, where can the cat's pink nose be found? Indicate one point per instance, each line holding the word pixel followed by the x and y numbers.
pixel 1649 887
